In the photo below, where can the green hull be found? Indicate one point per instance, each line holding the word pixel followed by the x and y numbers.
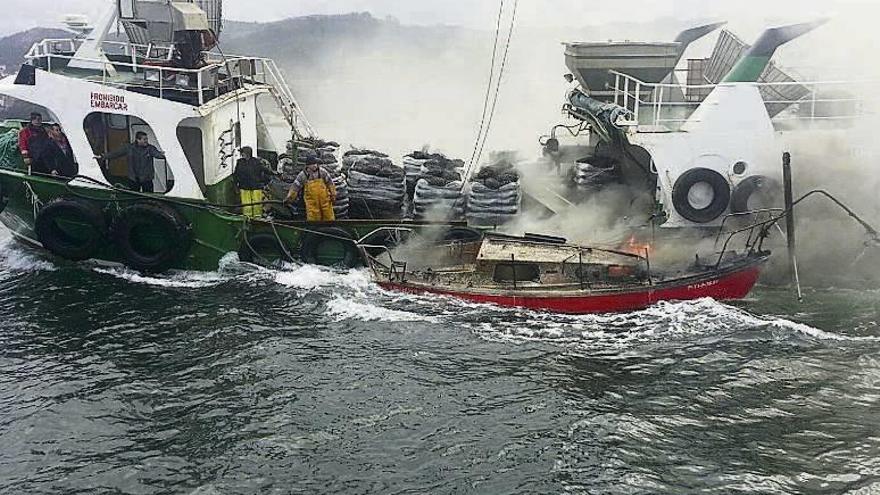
pixel 215 233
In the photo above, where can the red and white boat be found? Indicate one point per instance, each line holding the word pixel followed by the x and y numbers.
pixel 547 274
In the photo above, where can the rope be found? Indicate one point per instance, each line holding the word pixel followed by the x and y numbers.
pixel 212 207
pixel 497 87
pixel 488 126
pixel 36 203
pixel 489 82
pixel 280 242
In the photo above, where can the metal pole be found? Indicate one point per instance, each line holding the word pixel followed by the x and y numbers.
pixel 789 223
pixel 513 268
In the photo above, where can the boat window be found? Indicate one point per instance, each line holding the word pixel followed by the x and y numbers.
pixel 190 138
pixel 15 115
pixel 112 134
pixel 517 272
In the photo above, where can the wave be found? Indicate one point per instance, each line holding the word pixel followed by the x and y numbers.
pixel 230 270
pixel 310 277
pixel 663 321
pixel 355 297
pixel 351 295
pixel 341 308
pixel 14 259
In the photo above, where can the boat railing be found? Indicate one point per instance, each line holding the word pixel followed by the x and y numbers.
pixel 667 106
pixel 148 68
pixel 757 217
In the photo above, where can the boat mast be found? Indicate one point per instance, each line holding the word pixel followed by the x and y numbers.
pixel 90 54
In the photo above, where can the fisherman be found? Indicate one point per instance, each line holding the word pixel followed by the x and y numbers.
pixel 32 134
pixel 318 191
pixel 140 155
pixel 251 177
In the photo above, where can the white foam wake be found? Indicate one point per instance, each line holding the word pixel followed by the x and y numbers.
pixel 341 309
pixel 310 277
pixel 14 259
pixel 230 269
pixel 662 322
pixel 176 280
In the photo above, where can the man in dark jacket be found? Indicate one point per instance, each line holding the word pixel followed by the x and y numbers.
pixel 251 177
pixel 140 155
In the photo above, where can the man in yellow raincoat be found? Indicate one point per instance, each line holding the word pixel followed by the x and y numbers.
pixel 318 191
pixel 251 177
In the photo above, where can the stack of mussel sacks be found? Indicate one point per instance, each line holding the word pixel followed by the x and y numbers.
pixel 593 173
pixel 326 153
pixel 495 195
pixel 438 190
pixel 376 186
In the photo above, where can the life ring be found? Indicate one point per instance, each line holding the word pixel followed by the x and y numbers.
pixel 701 195
pixel 152 236
pixel 329 246
pixel 264 249
pixel 71 228
pixel 755 193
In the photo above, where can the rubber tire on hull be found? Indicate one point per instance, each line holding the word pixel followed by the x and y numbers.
pixel 265 250
pixel 687 181
pixel 315 248
pixel 162 225
pixel 769 190
pixel 67 245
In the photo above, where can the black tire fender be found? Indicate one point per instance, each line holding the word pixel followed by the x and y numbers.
pixel 90 235
pixel 319 239
pixel 768 190
pixel 157 223
pixel 257 247
pixel 687 181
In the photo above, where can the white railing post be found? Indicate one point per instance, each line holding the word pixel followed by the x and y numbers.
pixel 617 89
pixel 200 86
pixel 626 93
pixel 659 107
pixel 638 101
pixel 654 93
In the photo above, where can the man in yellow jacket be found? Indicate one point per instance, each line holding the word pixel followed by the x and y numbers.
pixel 318 191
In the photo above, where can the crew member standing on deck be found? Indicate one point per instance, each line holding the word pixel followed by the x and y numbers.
pixel 34 131
pixel 318 191
pixel 251 177
pixel 140 155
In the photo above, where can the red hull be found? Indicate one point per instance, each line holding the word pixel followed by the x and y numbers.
pixel 727 285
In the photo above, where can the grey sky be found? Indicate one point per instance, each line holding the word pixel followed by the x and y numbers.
pixel 479 13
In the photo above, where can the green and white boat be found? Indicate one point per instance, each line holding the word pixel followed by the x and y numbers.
pixel 103 92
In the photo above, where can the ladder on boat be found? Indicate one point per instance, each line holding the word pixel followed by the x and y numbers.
pixel 282 94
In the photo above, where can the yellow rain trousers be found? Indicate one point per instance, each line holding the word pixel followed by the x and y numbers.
pixel 251 197
pixel 319 208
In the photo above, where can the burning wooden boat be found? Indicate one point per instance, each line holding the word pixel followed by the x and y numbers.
pixel 549 274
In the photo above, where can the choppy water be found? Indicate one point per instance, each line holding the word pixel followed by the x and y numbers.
pixel 310 381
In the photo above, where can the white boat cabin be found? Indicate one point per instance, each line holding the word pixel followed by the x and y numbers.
pixel 199 117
